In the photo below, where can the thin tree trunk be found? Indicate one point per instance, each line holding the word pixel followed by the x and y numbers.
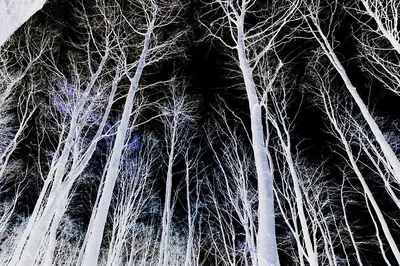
pixel 92 250
pixel 386 149
pixel 167 215
pixel 386 33
pixel 286 147
pixel 385 228
pixel 353 241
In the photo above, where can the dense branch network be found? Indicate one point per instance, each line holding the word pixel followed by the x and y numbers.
pixel 110 154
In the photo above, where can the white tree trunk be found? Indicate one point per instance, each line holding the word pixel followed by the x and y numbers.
pixel 267 251
pixel 92 250
pixel 385 228
pixel 167 213
pixel 52 242
pixel 11 147
pixel 311 255
pixel 45 208
pixel 375 206
pixel 390 34
pixel 386 149
pixel 353 241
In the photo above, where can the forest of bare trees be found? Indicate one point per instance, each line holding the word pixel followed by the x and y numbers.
pixel 202 132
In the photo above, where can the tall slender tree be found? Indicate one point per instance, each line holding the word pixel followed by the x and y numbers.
pixel 323 38
pixel 251 43
pixel 151 16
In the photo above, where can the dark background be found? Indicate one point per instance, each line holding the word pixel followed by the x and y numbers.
pixel 205 68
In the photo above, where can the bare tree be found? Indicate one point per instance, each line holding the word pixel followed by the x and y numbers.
pixel 253 43
pixel 133 195
pixel 18 89
pixel 17 61
pixel 178 117
pixel 379 43
pixel 386 15
pixel 283 125
pixel 315 28
pixel 77 108
pixel 194 176
pixel 341 129
pixel 235 196
pixel 327 234
pixel 151 16
pixel 303 198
